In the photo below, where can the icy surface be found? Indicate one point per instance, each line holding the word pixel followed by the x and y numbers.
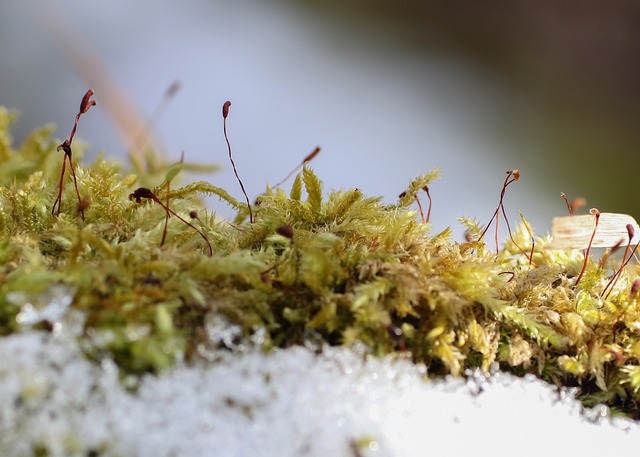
pixel 292 402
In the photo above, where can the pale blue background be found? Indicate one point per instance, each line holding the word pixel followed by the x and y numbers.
pixel 381 112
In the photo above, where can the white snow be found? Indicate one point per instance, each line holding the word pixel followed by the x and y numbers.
pixel 293 402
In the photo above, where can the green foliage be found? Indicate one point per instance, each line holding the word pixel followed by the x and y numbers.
pixel 342 268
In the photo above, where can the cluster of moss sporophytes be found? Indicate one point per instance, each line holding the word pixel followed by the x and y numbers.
pixel 148 269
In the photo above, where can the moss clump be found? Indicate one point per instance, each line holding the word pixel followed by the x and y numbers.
pixel 340 268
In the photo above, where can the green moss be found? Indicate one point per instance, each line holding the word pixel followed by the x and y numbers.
pixel 342 268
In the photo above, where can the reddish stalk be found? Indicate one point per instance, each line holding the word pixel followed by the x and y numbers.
pixel 143 192
pixel 625 262
pixel 511 274
pixel 415 196
pixel 528 256
pixel 609 252
pixel 426 189
pixel 419 207
pixel 596 213
pixel 85 104
pixel 193 214
pixel 308 158
pixel 574 204
pixel 512 176
pixel 533 240
pixel 633 254
pixel 564 197
pixel 614 279
pixel 225 113
pixel 166 219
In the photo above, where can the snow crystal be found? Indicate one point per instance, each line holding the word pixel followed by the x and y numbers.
pixel 292 402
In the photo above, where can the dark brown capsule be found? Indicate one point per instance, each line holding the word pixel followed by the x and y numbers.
pixel 285 230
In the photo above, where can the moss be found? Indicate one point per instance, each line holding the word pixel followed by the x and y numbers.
pixel 341 267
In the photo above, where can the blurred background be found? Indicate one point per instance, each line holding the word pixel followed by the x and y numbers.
pixel 388 89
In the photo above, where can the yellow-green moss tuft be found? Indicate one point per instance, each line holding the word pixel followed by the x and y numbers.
pixel 342 268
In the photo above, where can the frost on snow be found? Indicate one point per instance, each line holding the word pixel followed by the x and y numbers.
pixel 292 402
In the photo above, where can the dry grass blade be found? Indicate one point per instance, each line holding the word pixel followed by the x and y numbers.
pixel 574 232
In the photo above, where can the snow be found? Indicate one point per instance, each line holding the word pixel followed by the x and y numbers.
pixel 292 402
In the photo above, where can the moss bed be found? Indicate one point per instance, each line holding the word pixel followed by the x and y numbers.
pixel 341 268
